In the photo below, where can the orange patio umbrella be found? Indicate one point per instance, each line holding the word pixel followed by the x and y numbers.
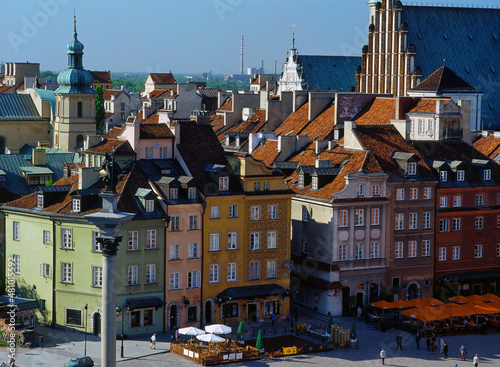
pixel 433 302
pixel 459 299
pixel 416 303
pixel 487 308
pixel 399 304
pixel 425 314
pixel 490 297
pixel 476 299
pixel 457 310
pixel 384 305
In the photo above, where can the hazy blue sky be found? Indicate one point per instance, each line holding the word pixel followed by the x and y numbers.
pixel 184 36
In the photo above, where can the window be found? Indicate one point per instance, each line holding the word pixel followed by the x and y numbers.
pixel 66 238
pixel 359 217
pixel 314 183
pixel 232 240
pixel 301 181
pixel 133 275
pixel 175 252
pixel 16 264
pixel 359 249
pixel 305 214
pixel 213 273
pixel 133 240
pixel 444 225
pixel 149 152
pixel 478 251
pixel 455 255
pixel 396 282
pixel 163 152
pixel 43 305
pixel 457 224
pixel 45 270
pixel 426 248
pixel 398 250
pixel 150 239
pixel 192 279
pixel 75 205
pixel 430 127
pixel 46 237
pixel 498 221
pixel 193 250
pixel 265 185
pixel 223 183
pixel 479 200
pixel 192 193
pixel 460 175
pixel 272 212
pixel 272 307
pixel 256 186
pixel 96 246
pixel 375 217
pixel 97 276
pixel 175 281
pixel 174 194
pixel 343 218
pixel 400 221
pixel 342 252
pixel 214 212
pixel 414 193
pixel 272 239
pixel 230 310
pixel 376 190
pixel 443 176
pixel 498 199
pixel 150 206
pixel 421 127
pixel 175 223
pixel 498 249
pixel 254 241
pixel 141 318
pixel 233 211
pixel 426 220
pixel 39 201
pixel 255 213
pixel 413 221
pixel 271 269
pixel 400 194
pixel 79 108
pixel 374 250
pixel 214 242
pixel 427 193
pixel 412 249
pixel 66 273
pixel 193 222
pixel 360 190
pixel 150 273
pixel 412 168
pixel 73 316
pixel 443 202
pixel 487 175
pixel 231 272
pixel 457 201
pixel 442 254
pixel 254 270
pixel 479 223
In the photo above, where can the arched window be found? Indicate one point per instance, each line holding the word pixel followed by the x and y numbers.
pixel 80 108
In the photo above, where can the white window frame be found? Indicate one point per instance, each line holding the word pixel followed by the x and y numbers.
pixel 272 239
pixel 457 201
pixel 398 250
pixel 133 241
pixel 255 212
pixel 343 218
pixel 443 202
pixel 174 193
pixel 213 273
pixel 456 224
pixel 150 239
pixel 150 206
pixel 426 248
pixel 487 174
pixel 305 214
pixel 214 212
pixel 272 212
pixel 442 254
pixel 194 222
pixel 256 186
pixel 175 223
pixel 265 185
pixel 400 194
pixel 412 168
pixel 150 273
pixel 192 279
pixel 359 251
pixel 271 269
pixel 342 252
pixel 193 250
pixel 45 270
pixel 479 223
pixel 455 254
pixel 479 200
pixel 413 221
pixel 255 241
pixel 374 250
pixel 359 217
pixel 75 205
pixel 443 176
pixel 66 238
pixel 360 190
pixel 375 217
pixel 97 276
pixel 426 220
pixel 96 246
pixel 175 251
pixel 414 193
pixel 399 220
pixel 412 248
pixel 478 251
pixel 444 225
pixel 214 242
pixel 233 211
pixel 191 192
pixel 133 275
pixel 223 183
pixel 46 237
pixel 314 182
pixel 254 270
pixel 16 264
pixel 427 193
pixel 66 272
pixel 174 281
pixel 232 240
pixel 460 175
pixel 232 272
pixel 375 190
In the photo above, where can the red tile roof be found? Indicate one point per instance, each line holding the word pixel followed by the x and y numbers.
pixel 267 152
pixel 163 78
pixel 114 132
pixel 121 147
pixel 101 76
pixel 383 109
pixel 227 105
pixel 445 80
pixel 156 93
pixel 254 123
pixel 295 122
pixel 107 93
pixel 489 146
pixel 321 126
pixel 155 131
pixel 152 119
pixel 217 123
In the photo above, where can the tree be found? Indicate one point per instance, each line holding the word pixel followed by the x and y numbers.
pixel 100 114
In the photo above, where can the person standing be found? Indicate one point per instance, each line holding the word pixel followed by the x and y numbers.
pixel 463 352
pixel 441 344
pixel 273 318
pixel 475 360
pixel 383 355
pixel 428 343
pixel 399 342
pixel 445 350
pixel 152 344
pixel 417 340
pixel 433 343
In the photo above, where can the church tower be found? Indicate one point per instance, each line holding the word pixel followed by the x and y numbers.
pixel 75 101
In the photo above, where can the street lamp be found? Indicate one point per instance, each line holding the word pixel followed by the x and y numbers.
pixel 122 312
pixel 85 335
pixel 223 299
pixel 291 293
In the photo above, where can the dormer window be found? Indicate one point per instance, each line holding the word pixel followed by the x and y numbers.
pixel 150 206
pixel 443 176
pixel 487 174
pixel 412 168
pixel 223 183
pixel 460 175
pixel 360 190
pixel 237 166
pixel 301 181
pixel 174 194
pixel 376 190
pixel 75 206
pixel 315 183
pixel 192 193
pixel 39 201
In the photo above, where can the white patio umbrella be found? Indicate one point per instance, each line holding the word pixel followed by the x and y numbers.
pixel 191 331
pixel 210 338
pixel 218 329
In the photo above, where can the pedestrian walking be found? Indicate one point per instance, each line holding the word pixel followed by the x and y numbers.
pixel 273 318
pixel 360 312
pixel 152 344
pixel 383 355
pixel 463 352
pixel 441 344
pixel 445 350
pixel 475 360
pixel 399 342
pixel 417 340
pixel 428 343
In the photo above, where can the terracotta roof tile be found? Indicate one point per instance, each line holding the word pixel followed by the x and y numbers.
pixel 383 109
pixel 151 119
pixel 156 93
pixel 4 88
pixel 163 78
pixel 107 146
pixel 427 105
pixel 217 123
pixel 321 126
pixel 114 132
pixel 227 105
pixel 155 131
pixel 253 124
pixel 267 152
pixel 489 146
pixel 107 93
pixel 101 76
pixel 295 122
pixel 445 80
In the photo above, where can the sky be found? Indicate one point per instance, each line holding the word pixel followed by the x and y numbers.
pixel 184 36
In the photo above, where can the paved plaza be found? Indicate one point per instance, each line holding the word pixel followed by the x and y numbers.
pixel 57 350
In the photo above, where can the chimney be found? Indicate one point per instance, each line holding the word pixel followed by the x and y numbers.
pixel 87 176
pixel 323 163
pixel 38 157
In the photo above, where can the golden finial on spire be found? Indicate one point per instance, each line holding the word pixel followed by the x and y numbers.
pixel 293 33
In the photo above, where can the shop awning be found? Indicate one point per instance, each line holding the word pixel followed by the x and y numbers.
pixel 144 302
pixel 252 291
pixel 21 304
pixel 476 275
pixel 316 282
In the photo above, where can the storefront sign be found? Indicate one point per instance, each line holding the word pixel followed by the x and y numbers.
pixel 289 350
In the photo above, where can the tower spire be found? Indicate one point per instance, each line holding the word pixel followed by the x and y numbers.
pixel 74 20
pixel 293 34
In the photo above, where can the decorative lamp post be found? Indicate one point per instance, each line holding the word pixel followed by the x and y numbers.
pixel 291 293
pixel 86 315
pixel 109 221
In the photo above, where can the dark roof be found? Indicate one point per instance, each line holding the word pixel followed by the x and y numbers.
pixel 445 80
pixel 329 72
pixel 144 302
pixel 469 41
pixel 155 131
pixel 252 291
pixel 18 107
pixel 20 303
pixel 101 76
pixel 163 78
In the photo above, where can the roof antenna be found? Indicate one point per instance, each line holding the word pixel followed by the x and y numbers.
pixel 444 62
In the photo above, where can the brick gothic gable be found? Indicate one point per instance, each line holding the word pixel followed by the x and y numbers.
pixel 419 39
